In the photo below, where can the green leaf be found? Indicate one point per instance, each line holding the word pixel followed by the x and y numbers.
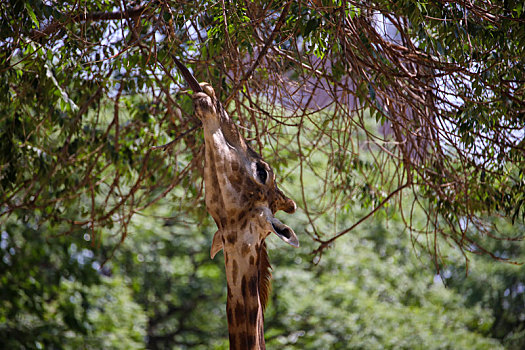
pixel 32 14
pixel 311 25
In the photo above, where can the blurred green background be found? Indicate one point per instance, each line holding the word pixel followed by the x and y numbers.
pixel 159 289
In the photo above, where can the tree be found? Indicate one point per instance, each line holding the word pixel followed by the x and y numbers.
pixel 370 292
pixel 436 88
pixel 167 264
pixel 495 287
pixel 160 290
pixel 53 294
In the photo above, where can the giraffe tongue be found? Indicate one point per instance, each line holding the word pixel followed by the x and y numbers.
pixel 190 79
pixel 284 232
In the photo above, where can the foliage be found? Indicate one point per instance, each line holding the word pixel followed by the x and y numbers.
pixel 54 296
pixel 168 266
pixel 89 89
pixel 370 292
pixel 161 290
pixel 498 287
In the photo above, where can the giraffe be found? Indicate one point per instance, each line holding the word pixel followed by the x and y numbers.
pixel 242 197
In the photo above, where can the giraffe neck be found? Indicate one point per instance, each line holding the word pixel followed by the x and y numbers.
pixel 244 308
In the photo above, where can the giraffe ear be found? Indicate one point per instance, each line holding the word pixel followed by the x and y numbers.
pixel 216 245
pixel 283 232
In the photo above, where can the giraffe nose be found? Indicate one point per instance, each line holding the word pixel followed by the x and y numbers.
pixel 289 206
pixel 282 202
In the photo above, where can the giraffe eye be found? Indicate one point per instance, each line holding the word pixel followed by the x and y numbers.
pixel 262 174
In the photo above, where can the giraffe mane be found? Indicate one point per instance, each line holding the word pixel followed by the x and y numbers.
pixel 265 276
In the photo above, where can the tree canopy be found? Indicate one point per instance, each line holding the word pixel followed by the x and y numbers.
pixel 432 90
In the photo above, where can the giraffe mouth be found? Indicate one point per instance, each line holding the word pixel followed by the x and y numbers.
pixel 283 232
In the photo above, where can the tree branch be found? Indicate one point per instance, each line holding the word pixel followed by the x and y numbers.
pixel 56 25
pixel 249 73
pixel 325 244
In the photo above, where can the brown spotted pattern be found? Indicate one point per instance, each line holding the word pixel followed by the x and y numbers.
pixel 242 197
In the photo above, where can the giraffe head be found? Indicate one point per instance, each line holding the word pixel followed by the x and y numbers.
pixel 241 191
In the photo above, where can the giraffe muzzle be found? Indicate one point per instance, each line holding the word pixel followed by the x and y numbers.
pixel 283 231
